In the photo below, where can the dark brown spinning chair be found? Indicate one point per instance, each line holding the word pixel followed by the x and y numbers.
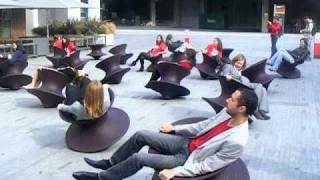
pixel 96 51
pixel 12 77
pixel 50 91
pixel 58 55
pixel 208 68
pixel 235 171
pixel 95 135
pixel 288 70
pixel 256 74
pixel 121 49
pixel 74 61
pixel 111 66
pixel 227 88
pixel 169 85
pixel 154 61
pixel 225 55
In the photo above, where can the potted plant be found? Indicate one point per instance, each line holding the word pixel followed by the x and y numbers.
pixel 107 29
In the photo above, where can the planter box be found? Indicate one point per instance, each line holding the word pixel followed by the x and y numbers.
pixel 107 39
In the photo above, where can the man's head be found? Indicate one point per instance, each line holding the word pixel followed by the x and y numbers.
pixel 242 102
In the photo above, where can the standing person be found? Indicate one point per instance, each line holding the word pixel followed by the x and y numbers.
pixel 307 33
pixel 193 150
pixel 275 28
pixel 68 46
pixel 157 50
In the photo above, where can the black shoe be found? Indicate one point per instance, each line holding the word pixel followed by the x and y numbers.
pixel 82 175
pixel 265 116
pixel 141 69
pixel 102 164
pixel 258 115
pixel 133 63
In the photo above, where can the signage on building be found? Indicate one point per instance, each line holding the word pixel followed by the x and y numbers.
pixel 279 10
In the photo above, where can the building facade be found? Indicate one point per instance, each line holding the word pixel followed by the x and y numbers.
pixel 16 23
pixel 248 15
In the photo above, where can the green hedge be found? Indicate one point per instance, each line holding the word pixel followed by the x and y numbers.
pixel 88 27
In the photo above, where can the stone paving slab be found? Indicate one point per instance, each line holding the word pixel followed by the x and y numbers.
pixel 286 147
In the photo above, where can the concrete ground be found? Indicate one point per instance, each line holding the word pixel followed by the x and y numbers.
pixel 285 147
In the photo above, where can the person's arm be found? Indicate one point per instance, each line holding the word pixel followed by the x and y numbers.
pixel 73 108
pixel 228 153
pixel 16 56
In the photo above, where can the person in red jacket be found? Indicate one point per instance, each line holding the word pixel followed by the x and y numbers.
pixel 157 50
pixel 58 42
pixel 275 28
pixel 68 46
pixel 214 49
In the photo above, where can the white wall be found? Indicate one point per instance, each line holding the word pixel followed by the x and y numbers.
pixel 32 21
pixel 94 12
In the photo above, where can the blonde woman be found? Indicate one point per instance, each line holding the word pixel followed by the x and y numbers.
pixel 96 102
pixel 233 71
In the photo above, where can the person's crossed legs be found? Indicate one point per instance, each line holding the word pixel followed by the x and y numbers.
pixel 126 161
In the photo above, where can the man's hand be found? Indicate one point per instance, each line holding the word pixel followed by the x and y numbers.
pixel 166 127
pixel 166 174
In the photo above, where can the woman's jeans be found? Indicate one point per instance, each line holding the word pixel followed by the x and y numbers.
pixel 277 58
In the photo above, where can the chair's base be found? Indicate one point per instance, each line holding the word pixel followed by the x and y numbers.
pixel 168 90
pixel 48 99
pixel 216 103
pixel 115 77
pixel 55 61
pixel 96 56
pixel 290 73
pixel 100 135
pixel 234 171
pixel 150 68
pixel 15 82
pixel 205 73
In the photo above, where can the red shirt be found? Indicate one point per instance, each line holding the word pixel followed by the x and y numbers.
pixel 159 48
pixel 212 47
pixel 275 28
pixel 71 48
pixel 198 141
pixel 186 64
pixel 58 44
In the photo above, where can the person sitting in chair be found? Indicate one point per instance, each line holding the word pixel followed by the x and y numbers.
pixel 172 45
pixel 95 103
pixel 159 49
pixel 214 49
pixel 298 55
pixel 193 149
pixel 68 46
pixel 19 53
pixel 233 71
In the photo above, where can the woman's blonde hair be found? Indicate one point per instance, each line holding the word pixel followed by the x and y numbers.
pixel 94 99
pixel 240 57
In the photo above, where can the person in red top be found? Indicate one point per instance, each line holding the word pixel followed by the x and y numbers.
pixel 57 42
pixel 275 29
pixel 214 49
pixel 187 150
pixel 68 46
pixel 157 50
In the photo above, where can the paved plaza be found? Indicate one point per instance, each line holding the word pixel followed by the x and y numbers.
pixel 287 147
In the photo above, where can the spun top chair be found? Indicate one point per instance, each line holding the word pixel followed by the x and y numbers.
pixel 12 78
pixel 256 74
pixel 96 51
pixel 227 88
pixel 169 84
pixel 50 90
pixel 154 61
pixel 121 49
pixel 208 67
pixel 95 135
pixel 288 70
pixel 113 72
pixel 58 55
pixel 74 61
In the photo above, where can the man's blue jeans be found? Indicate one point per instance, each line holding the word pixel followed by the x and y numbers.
pixel 274 40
